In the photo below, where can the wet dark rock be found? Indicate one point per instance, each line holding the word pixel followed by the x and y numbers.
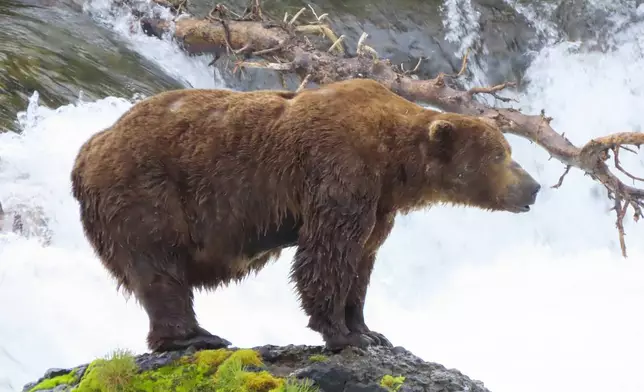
pixel 55 372
pixel 594 23
pixel 152 361
pixel 405 31
pixel 580 20
pixel 361 370
pixel 507 36
pixel 54 48
pixel 501 38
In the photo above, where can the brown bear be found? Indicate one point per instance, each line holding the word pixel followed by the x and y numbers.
pixel 197 188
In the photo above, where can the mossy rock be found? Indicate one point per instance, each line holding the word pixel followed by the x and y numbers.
pixel 268 368
pixel 318 358
pixel 392 383
pixel 222 370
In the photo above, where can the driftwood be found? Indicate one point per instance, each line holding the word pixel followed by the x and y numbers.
pixel 284 46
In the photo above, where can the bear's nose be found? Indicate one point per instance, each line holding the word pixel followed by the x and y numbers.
pixel 536 189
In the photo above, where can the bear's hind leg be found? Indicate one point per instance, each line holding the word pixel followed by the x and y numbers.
pixel 143 241
pixel 158 282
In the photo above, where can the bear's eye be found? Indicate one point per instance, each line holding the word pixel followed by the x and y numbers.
pixel 500 158
pixel 460 175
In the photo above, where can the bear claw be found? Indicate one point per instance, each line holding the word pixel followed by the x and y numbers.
pixel 203 340
pixel 360 340
pixel 339 342
pixel 380 339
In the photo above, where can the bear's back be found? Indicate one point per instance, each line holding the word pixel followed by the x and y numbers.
pixel 200 132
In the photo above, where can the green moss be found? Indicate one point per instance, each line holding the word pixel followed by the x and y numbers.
pixel 206 371
pixel 231 375
pixel 51 383
pixel 318 358
pixel 112 374
pixel 291 385
pixel 208 360
pixel 392 383
pixel 182 378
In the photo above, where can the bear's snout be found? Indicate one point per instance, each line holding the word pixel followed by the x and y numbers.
pixel 532 189
pixel 524 191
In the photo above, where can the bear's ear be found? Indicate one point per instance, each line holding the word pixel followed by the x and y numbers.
pixel 441 135
pixel 440 131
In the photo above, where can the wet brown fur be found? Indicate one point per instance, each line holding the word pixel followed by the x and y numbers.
pixel 198 188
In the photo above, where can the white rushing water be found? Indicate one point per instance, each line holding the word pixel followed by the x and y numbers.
pixel 533 302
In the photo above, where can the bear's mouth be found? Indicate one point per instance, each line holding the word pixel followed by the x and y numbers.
pixel 518 208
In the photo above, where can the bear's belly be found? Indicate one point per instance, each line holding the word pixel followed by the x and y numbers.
pixel 213 266
pixel 256 242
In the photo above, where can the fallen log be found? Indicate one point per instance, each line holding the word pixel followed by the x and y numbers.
pixel 284 46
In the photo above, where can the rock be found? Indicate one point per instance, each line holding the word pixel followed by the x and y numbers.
pixel 507 36
pixel 593 22
pixel 406 31
pixel 264 368
pixel 354 368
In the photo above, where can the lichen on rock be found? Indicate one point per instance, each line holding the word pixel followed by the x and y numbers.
pixel 259 369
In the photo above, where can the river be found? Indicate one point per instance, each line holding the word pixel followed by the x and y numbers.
pixel 536 302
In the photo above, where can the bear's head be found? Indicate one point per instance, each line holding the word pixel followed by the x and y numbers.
pixel 475 165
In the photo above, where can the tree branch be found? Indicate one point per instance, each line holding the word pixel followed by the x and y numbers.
pixel 285 47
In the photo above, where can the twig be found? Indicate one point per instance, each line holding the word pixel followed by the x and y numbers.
pixel 267 51
pixel 619 223
pixel 320 29
pixel 336 43
pixel 266 65
pixel 304 83
pixel 362 47
pixel 222 11
pixel 619 166
pixel 492 91
pixel 402 67
pixel 558 184
pixel 297 15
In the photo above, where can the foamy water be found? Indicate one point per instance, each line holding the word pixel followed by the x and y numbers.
pixel 532 302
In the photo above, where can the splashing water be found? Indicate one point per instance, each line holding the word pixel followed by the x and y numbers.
pixel 192 71
pixel 462 24
pixel 531 302
pixel 539 14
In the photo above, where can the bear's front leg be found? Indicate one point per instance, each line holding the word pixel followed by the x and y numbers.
pixel 354 311
pixel 330 248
